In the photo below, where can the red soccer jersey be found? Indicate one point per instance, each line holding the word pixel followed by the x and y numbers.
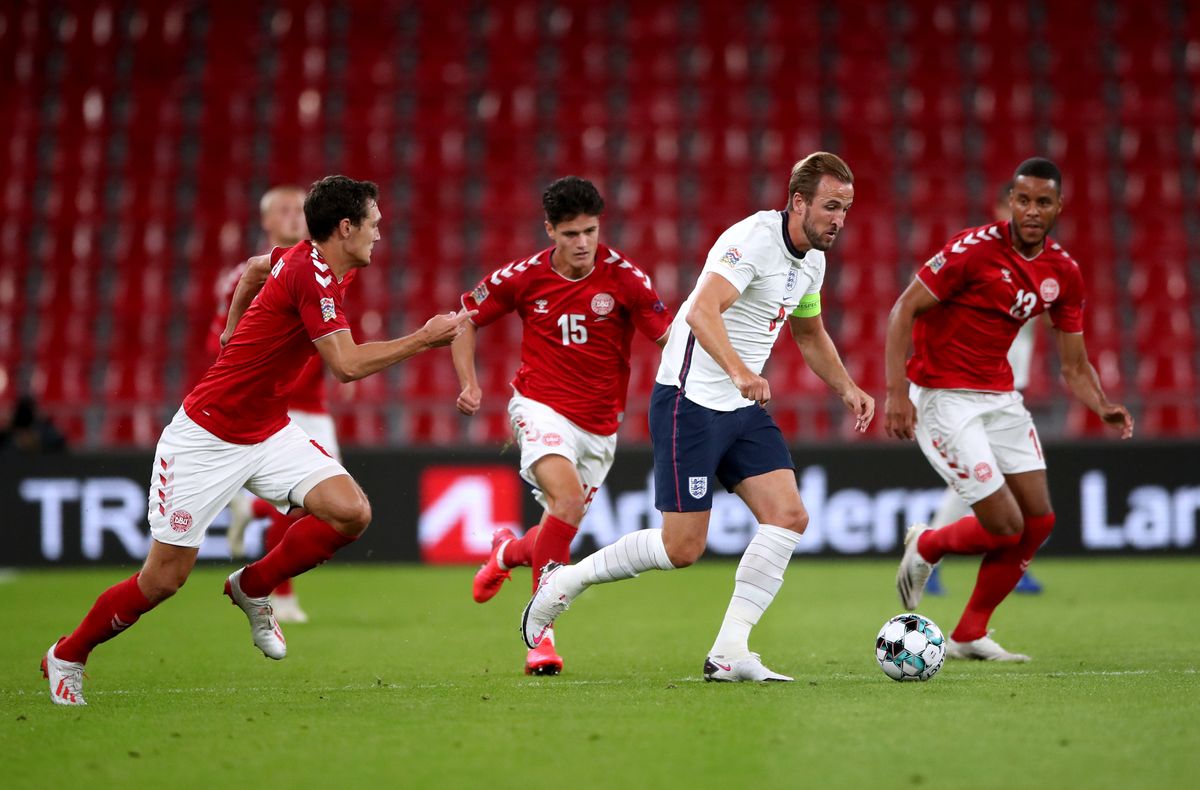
pixel 577 333
pixel 243 398
pixel 987 291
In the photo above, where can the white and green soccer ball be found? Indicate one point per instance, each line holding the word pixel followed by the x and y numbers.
pixel 910 647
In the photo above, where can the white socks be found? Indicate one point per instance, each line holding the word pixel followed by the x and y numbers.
pixel 759 577
pixel 633 553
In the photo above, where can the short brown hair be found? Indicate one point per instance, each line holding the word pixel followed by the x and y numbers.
pixel 806 174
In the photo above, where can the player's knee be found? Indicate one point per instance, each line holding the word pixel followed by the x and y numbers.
pixel 351 516
pixel 795 519
pixel 568 508
pixel 684 552
pixel 162 584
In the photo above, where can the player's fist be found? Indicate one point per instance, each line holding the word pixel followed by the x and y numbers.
pixel 861 405
pixel 444 327
pixel 752 386
pixel 899 415
pixel 1118 417
pixel 469 400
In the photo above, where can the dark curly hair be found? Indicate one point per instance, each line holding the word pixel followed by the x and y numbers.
pixel 570 197
pixel 333 199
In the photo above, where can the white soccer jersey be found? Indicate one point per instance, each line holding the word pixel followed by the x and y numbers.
pixel 772 277
pixel 1020 355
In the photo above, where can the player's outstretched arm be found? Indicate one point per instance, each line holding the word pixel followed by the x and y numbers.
pixel 462 351
pixel 714 296
pixel 822 358
pixel 1084 382
pixel 251 282
pixel 350 361
pixel 899 414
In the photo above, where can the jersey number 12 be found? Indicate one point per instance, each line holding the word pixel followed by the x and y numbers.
pixel 573 329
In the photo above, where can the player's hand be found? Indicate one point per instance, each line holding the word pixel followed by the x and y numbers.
pixel 444 327
pixel 469 400
pixel 1118 417
pixel 900 416
pixel 753 387
pixel 225 337
pixel 861 405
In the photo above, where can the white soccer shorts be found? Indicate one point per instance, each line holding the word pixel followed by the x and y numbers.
pixel 196 474
pixel 541 431
pixel 973 438
pixel 319 427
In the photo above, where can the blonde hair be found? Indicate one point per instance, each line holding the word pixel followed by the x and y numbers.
pixel 806 174
pixel 264 203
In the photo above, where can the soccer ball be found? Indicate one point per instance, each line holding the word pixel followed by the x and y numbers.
pixel 910 647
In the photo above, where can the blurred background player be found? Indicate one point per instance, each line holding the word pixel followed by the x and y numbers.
pixel 1020 359
pixel 956 396
pixel 281 210
pixel 707 418
pixel 233 431
pixel 579 304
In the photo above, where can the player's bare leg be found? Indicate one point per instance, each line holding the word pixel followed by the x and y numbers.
pixel 338 513
pixel 165 570
pixel 775 502
pixel 678 544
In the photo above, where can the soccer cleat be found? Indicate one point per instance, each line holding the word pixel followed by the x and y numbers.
pixel 544 659
pixel 287 609
pixel 982 649
pixel 490 576
pixel 240 517
pixel 1029 585
pixel 914 571
pixel 722 670
pixel 544 607
pixel 264 629
pixel 66 678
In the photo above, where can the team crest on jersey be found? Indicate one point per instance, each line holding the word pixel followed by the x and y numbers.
pixel 328 313
pixel 602 304
pixel 1005 275
pixel 697 487
pixel 181 521
pixel 936 262
pixel 1049 289
pixel 480 293
pixel 731 258
pixel 792 277
pixel 539 306
pixel 983 471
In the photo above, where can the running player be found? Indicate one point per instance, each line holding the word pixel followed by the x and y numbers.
pixel 233 431
pixel 962 312
pixel 707 418
pixel 1020 359
pixel 281 211
pixel 579 304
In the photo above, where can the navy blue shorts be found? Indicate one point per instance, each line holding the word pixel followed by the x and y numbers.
pixel 692 444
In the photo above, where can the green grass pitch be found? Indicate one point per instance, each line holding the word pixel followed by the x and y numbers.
pixel 402 681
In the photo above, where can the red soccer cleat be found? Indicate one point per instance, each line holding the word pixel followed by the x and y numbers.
pixel 544 659
pixel 490 576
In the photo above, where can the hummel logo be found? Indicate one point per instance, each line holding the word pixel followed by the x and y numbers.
pixel 324 281
pixel 118 625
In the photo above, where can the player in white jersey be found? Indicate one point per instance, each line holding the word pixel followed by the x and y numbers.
pixel 707 418
pixel 1020 359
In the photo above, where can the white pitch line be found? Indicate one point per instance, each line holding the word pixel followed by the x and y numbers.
pixel 226 690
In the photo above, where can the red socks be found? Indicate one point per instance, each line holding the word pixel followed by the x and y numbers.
pixel 965 536
pixel 273 537
pixel 305 545
pixel 553 543
pixel 520 551
pixel 999 573
pixel 116 609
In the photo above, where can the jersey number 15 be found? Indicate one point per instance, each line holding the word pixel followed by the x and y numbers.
pixel 573 329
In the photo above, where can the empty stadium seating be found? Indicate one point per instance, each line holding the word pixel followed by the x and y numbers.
pixel 137 137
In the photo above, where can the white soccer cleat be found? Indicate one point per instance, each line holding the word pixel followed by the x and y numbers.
pixel 982 649
pixel 914 570
pixel 547 603
pixel 264 629
pixel 723 670
pixel 66 679
pixel 240 516
pixel 287 609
